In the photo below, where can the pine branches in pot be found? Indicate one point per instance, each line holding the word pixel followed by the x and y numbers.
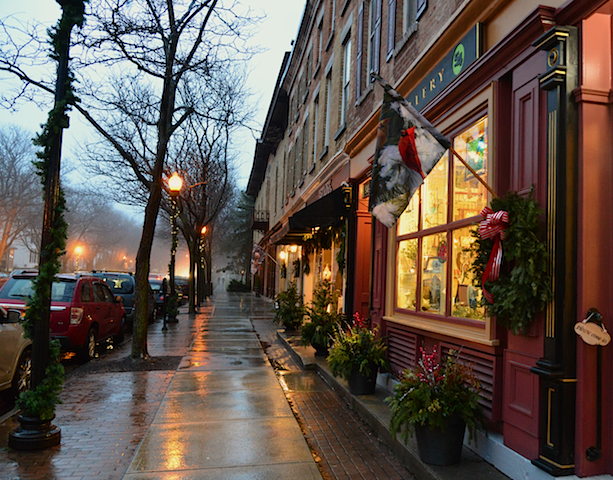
pixel 437 400
pixel 324 318
pixel 356 355
pixel 289 309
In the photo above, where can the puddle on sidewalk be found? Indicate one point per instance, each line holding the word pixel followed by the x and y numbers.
pixel 296 381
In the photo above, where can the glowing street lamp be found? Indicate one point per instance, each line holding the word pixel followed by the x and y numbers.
pixel 175 184
pixel 78 251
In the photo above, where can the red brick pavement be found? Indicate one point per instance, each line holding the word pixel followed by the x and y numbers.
pixel 346 448
pixel 103 418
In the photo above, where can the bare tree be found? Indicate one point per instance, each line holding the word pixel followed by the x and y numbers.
pixel 134 57
pixel 21 201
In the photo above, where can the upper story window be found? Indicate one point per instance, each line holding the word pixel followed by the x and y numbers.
pixel 360 69
pixel 374 36
pixel 328 107
pixel 345 80
pixel 434 233
pixel 391 27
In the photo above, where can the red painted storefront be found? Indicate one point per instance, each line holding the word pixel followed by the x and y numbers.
pixel 540 388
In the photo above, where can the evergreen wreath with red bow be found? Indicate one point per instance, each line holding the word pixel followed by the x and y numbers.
pixel 511 262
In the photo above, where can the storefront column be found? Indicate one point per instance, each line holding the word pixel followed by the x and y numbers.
pixel 556 369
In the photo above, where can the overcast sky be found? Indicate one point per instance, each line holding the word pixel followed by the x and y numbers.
pixel 273 35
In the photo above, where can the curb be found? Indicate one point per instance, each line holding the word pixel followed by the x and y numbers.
pixel 374 412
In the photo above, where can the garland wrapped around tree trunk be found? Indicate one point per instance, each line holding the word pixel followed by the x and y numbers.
pixel 47 382
pixel 523 286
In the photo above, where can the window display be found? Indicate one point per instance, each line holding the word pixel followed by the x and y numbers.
pixel 434 234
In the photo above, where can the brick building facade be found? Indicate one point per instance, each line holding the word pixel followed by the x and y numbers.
pixel 524 92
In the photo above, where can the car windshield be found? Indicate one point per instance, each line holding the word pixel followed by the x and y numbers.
pixel 155 286
pixel 119 284
pixel 22 288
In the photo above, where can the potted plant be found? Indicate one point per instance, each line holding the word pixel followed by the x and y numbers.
pixel 356 355
pixel 438 399
pixel 323 319
pixel 289 309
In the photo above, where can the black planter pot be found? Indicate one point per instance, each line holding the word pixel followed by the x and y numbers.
pixel 363 384
pixel 34 434
pixel 320 351
pixel 441 446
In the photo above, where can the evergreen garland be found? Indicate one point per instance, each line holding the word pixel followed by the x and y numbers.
pixel 524 286
pixel 41 400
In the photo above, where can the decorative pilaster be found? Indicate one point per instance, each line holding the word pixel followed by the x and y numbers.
pixel 557 367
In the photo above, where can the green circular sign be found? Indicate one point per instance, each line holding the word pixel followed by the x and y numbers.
pixel 457 63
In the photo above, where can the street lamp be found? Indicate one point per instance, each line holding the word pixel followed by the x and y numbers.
pixel 78 251
pixel 175 184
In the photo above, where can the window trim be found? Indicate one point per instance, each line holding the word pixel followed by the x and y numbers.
pixel 478 331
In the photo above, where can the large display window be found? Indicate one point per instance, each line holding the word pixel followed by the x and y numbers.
pixel 433 282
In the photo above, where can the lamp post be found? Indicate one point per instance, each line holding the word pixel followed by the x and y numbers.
pixel 175 184
pixel 204 282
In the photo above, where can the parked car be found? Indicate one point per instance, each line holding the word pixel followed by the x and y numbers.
pixel 158 293
pixel 84 312
pixel 15 354
pixel 123 285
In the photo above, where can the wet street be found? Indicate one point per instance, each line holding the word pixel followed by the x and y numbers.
pixel 210 407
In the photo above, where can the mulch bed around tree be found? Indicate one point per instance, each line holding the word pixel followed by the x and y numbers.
pixel 128 364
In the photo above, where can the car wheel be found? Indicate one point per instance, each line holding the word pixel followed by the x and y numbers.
pixel 120 337
pixel 23 374
pixel 88 350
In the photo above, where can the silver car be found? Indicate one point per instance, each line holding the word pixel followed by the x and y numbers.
pixel 15 353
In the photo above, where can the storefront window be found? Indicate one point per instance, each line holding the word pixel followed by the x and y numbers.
pixel 434 189
pixel 409 220
pixel 469 195
pixel 407 274
pixel 433 278
pixel 433 235
pixel 466 297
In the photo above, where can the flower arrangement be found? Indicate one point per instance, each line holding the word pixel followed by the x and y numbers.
pixel 356 349
pixel 324 318
pixel 433 393
pixel 289 308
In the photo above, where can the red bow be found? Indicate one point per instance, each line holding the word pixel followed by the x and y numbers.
pixel 493 226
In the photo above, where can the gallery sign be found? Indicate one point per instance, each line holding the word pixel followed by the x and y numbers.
pixel 448 69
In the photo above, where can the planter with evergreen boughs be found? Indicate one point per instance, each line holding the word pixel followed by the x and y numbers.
pixel 289 309
pixel 324 318
pixel 437 400
pixel 356 355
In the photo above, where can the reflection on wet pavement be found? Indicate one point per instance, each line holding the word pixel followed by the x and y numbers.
pixel 221 414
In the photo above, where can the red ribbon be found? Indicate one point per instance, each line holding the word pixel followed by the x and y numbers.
pixel 493 226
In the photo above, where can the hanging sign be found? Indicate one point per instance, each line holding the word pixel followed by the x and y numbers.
pixel 592 333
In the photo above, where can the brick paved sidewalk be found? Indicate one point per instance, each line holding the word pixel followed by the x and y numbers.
pixel 103 416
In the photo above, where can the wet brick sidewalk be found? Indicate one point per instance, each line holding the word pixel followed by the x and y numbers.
pixel 344 447
pixel 103 416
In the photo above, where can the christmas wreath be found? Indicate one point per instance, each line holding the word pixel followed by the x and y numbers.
pixel 511 262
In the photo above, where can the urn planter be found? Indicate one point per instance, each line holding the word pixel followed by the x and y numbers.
pixel 360 384
pixel 34 434
pixel 441 446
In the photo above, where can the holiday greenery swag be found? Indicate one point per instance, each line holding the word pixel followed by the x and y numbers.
pixel 356 349
pixel 523 287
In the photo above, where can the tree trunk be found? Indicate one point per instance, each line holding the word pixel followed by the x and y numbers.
pixel 143 256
